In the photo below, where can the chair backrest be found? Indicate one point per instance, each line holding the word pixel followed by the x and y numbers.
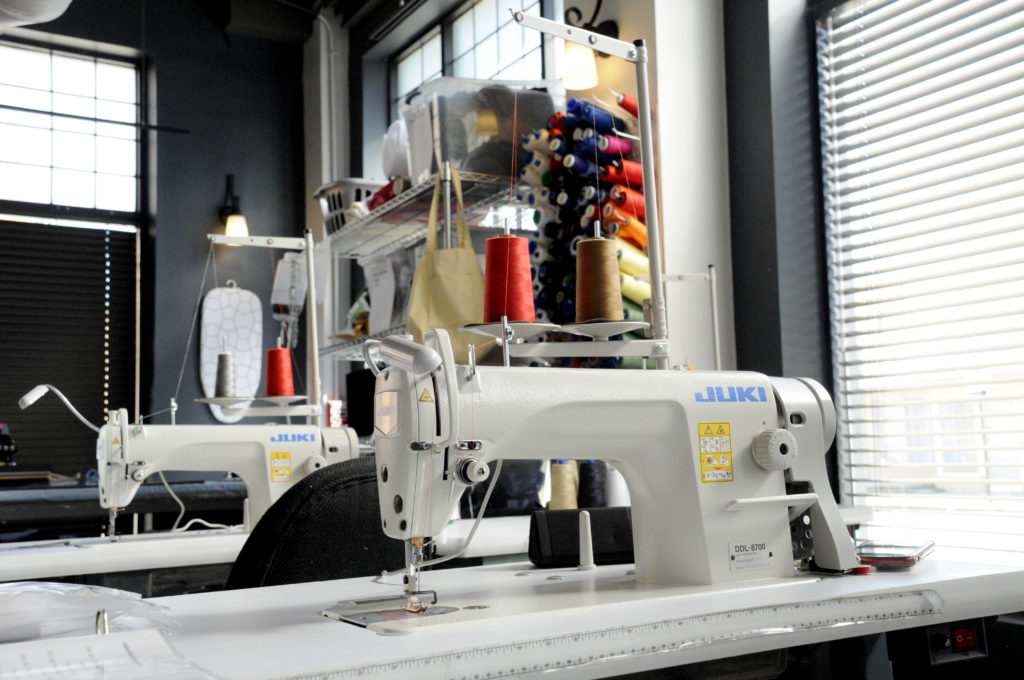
pixel 325 527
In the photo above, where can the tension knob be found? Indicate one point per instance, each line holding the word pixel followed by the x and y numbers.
pixel 473 471
pixel 775 449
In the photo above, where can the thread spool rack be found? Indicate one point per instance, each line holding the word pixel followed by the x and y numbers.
pixel 280 405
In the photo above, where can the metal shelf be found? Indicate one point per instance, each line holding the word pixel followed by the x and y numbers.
pixel 403 220
pixel 352 350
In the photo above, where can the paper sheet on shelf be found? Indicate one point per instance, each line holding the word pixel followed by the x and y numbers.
pixel 380 277
pixel 128 655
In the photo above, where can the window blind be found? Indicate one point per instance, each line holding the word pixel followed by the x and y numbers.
pixel 922 135
pixel 67 318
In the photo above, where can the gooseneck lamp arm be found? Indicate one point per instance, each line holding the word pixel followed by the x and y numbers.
pixel 33 395
pixel 635 53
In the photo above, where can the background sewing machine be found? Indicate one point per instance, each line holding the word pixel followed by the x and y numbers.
pixel 706 455
pixel 270 459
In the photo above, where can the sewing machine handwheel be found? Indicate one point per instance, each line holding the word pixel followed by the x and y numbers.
pixel 775 449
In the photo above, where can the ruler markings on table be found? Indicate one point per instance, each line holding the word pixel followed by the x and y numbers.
pixel 844 611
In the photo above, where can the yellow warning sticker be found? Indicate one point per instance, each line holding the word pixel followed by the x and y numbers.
pixel 426 396
pixel 714 442
pixel 281 466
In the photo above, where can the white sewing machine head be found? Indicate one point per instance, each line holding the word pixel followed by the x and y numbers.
pixel 270 459
pixel 706 455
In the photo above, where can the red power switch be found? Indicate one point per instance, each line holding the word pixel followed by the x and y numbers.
pixel 963 639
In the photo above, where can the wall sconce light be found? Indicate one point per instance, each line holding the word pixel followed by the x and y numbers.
pixel 580 65
pixel 231 214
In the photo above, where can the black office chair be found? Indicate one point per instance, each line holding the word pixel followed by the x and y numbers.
pixel 325 527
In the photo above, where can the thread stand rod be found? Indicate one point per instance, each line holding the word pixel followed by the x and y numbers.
pixel 446 180
pixel 506 339
pixel 311 322
pixel 716 337
pixel 659 326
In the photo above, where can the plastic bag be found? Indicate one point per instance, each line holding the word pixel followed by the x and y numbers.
pixel 31 610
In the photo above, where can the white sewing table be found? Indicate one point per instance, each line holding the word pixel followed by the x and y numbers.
pixel 592 624
pixel 35 560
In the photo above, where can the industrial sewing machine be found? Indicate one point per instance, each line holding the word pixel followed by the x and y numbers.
pixel 270 459
pixel 706 455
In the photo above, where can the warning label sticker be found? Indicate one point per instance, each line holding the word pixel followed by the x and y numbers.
pixel 715 446
pixel 426 396
pixel 280 466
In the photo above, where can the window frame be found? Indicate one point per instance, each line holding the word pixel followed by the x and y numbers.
pixel 143 217
pixel 445 27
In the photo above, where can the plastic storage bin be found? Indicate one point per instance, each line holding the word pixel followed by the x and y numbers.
pixel 470 123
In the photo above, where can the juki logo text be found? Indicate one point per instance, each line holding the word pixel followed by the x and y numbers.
pixel 730 394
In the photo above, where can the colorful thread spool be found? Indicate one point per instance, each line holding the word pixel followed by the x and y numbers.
pixel 590 149
pixel 532 176
pixel 582 134
pixel 279 373
pixel 631 201
pixel 628 103
pixel 574 244
pixel 537 140
pixel 634 231
pixel 558 144
pixel 579 166
pixel 508 285
pixel 632 311
pixel 538 160
pixel 623 172
pixel 574 106
pixel 637 291
pixel 598 291
pixel 601 120
pixel 631 259
pixel 591 493
pixel 615 145
pixel 630 228
pixel 543 216
pixel 557 124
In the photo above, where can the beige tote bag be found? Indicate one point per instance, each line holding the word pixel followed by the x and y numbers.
pixel 448 288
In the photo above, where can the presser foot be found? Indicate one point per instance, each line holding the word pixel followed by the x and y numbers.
pixel 379 610
pixel 417 603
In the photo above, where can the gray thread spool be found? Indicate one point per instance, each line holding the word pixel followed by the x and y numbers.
pixel 225 386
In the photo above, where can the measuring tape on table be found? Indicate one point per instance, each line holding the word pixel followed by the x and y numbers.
pixel 576 651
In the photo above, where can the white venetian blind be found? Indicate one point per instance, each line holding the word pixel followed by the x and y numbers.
pixel 922 114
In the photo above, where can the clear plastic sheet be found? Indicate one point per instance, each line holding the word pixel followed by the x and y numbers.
pixel 31 610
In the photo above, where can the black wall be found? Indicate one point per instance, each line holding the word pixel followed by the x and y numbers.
pixel 778 249
pixel 781 301
pixel 240 98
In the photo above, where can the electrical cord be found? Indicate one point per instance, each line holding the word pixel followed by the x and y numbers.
pixel 181 513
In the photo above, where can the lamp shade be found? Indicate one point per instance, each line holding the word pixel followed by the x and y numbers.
pixel 580 67
pixel 236 226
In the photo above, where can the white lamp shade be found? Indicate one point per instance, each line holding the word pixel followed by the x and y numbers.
pixel 580 67
pixel 236 226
